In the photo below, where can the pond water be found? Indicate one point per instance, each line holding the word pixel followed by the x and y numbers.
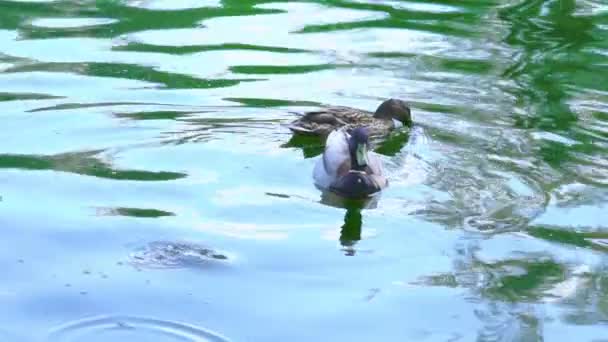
pixel 150 190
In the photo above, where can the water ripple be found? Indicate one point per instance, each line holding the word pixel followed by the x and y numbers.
pixel 157 120
pixel 105 328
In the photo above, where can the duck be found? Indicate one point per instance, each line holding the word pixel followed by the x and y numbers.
pixel 347 167
pixel 380 123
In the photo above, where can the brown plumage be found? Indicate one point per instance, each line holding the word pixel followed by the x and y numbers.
pixel 324 121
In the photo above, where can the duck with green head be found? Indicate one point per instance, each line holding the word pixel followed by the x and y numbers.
pixel 347 167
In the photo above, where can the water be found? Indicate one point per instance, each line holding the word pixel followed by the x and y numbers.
pixel 150 190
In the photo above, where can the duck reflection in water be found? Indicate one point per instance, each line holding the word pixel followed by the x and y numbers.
pixel 350 232
pixel 351 178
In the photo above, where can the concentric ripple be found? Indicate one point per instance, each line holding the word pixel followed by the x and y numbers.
pixel 123 328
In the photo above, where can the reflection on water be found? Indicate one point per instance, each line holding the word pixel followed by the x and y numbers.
pixel 83 163
pixel 351 230
pixel 144 123
pixel 311 145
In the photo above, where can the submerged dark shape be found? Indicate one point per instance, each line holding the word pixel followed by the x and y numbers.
pixel 175 254
pixel 380 123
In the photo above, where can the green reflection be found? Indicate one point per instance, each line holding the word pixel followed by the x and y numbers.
pixel 449 23
pixel 311 146
pixel 169 80
pixel 129 19
pixel 22 96
pixel 155 115
pixel 595 239
pixel 189 49
pixel 561 236
pixel 350 232
pixel 83 163
pixel 140 212
pixel 260 102
pixel 271 69
pixel 538 276
pixel 393 143
pixel 552 41
pixel 132 72
pixel 555 153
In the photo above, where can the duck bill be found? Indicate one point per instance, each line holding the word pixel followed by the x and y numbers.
pixel 361 154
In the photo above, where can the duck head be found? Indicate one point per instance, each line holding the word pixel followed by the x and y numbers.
pixel 357 146
pixel 394 109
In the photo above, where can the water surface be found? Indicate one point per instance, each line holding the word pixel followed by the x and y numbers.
pixel 149 189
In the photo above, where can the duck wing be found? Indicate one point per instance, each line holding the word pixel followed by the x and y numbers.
pixel 335 161
pixel 322 122
pixel 317 123
pixel 336 158
pixel 375 170
pixel 346 116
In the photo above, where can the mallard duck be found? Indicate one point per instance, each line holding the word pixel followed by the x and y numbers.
pixel 380 123
pixel 347 167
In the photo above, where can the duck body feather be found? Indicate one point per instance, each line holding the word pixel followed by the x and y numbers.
pixel 389 114
pixel 323 122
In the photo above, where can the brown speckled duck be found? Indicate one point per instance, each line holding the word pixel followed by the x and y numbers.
pixel 379 124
